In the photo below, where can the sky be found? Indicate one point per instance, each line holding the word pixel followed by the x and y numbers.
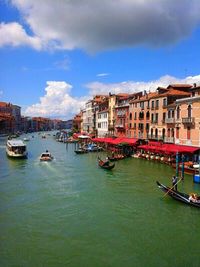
pixel 55 55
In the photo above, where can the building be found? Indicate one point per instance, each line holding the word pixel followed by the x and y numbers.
pixel 102 117
pixel 187 119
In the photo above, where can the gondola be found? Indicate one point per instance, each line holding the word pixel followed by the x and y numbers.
pixel 80 151
pixel 105 164
pixel 182 197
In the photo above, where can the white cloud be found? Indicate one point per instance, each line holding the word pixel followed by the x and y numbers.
pixel 14 35
pixel 137 86
pixel 95 25
pixel 102 74
pixel 57 102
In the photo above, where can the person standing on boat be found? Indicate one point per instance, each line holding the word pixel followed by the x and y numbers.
pixel 174 182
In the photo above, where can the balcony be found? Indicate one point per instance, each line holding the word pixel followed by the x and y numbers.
pixel 119 126
pixel 169 120
pixel 188 120
pixel 169 139
pixel 154 121
pixel 141 118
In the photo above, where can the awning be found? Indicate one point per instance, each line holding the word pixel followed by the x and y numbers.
pixel 169 148
pixel 116 141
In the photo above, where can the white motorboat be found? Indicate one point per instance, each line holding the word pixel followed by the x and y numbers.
pixel 46 156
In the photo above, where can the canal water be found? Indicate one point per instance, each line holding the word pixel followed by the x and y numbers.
pixel 69 212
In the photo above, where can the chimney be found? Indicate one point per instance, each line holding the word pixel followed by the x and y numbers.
pixel 195 85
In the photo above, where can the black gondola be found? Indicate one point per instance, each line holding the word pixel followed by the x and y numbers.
pixel 80 151
pixel 185 198
pixel 105 164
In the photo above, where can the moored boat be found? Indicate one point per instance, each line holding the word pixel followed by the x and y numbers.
pixel 16 148
pixel 190 199
pixel 80 151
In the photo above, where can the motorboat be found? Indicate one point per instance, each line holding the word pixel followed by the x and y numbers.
pixel 46 156
pixel 16 148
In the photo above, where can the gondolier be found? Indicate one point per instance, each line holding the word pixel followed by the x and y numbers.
pixel 174 182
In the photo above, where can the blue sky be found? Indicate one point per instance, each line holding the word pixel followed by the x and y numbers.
pixel 55 55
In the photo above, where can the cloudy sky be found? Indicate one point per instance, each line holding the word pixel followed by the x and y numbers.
pixel 57 54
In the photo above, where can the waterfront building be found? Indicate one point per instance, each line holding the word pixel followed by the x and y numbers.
pixel 139 116
pixel 77 122
pixel 148 114
pixel 88 123
pixel 160 118
pixel 42 124
pixel 102 118
pixel 111 114
pixel 10 118
pixel 187 119
pixel 122 114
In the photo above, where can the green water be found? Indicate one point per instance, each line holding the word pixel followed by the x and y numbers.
pixel 69 212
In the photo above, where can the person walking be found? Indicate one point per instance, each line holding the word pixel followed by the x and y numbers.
pixel 174 182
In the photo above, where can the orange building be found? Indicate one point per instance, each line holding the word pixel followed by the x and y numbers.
pixel 122 114
pixel 76 123
pixel 148 114
pixel 7 120
pixel 187 119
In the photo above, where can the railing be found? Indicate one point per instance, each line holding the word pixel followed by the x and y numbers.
pixel 169 139
pixel 119 125
pixel 188 120
pixel 169 120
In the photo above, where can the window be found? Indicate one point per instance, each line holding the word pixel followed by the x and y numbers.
pixel 188 133
pixel 147 115
pixel 189 111
pixel 163 133
pixel 156 119
pixel 135 117
pixel 164 102
pixel 178 112
pixel 151 132
pixel 130 116
pixel 152 104
pixel 164 116
pixel 177 132
pixel 156 133
pixel 157 103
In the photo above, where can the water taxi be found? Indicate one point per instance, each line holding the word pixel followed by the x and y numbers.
pixel 16 149
pixel 46 156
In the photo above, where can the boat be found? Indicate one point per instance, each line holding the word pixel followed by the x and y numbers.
pixel 80 151
pixel 16 148
pixel 26 139
pixel 182 197
pixel 189 167
pixel 116 157
pixel 46 156
pixel 105 164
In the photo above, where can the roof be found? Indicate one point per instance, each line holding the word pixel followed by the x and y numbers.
pixel 179 85
pixel 15 142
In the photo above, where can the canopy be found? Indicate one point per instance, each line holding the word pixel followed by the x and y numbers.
pixel 116 141
pixel 169 148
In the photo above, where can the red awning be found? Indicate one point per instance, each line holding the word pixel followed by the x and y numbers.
pixel 169 148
